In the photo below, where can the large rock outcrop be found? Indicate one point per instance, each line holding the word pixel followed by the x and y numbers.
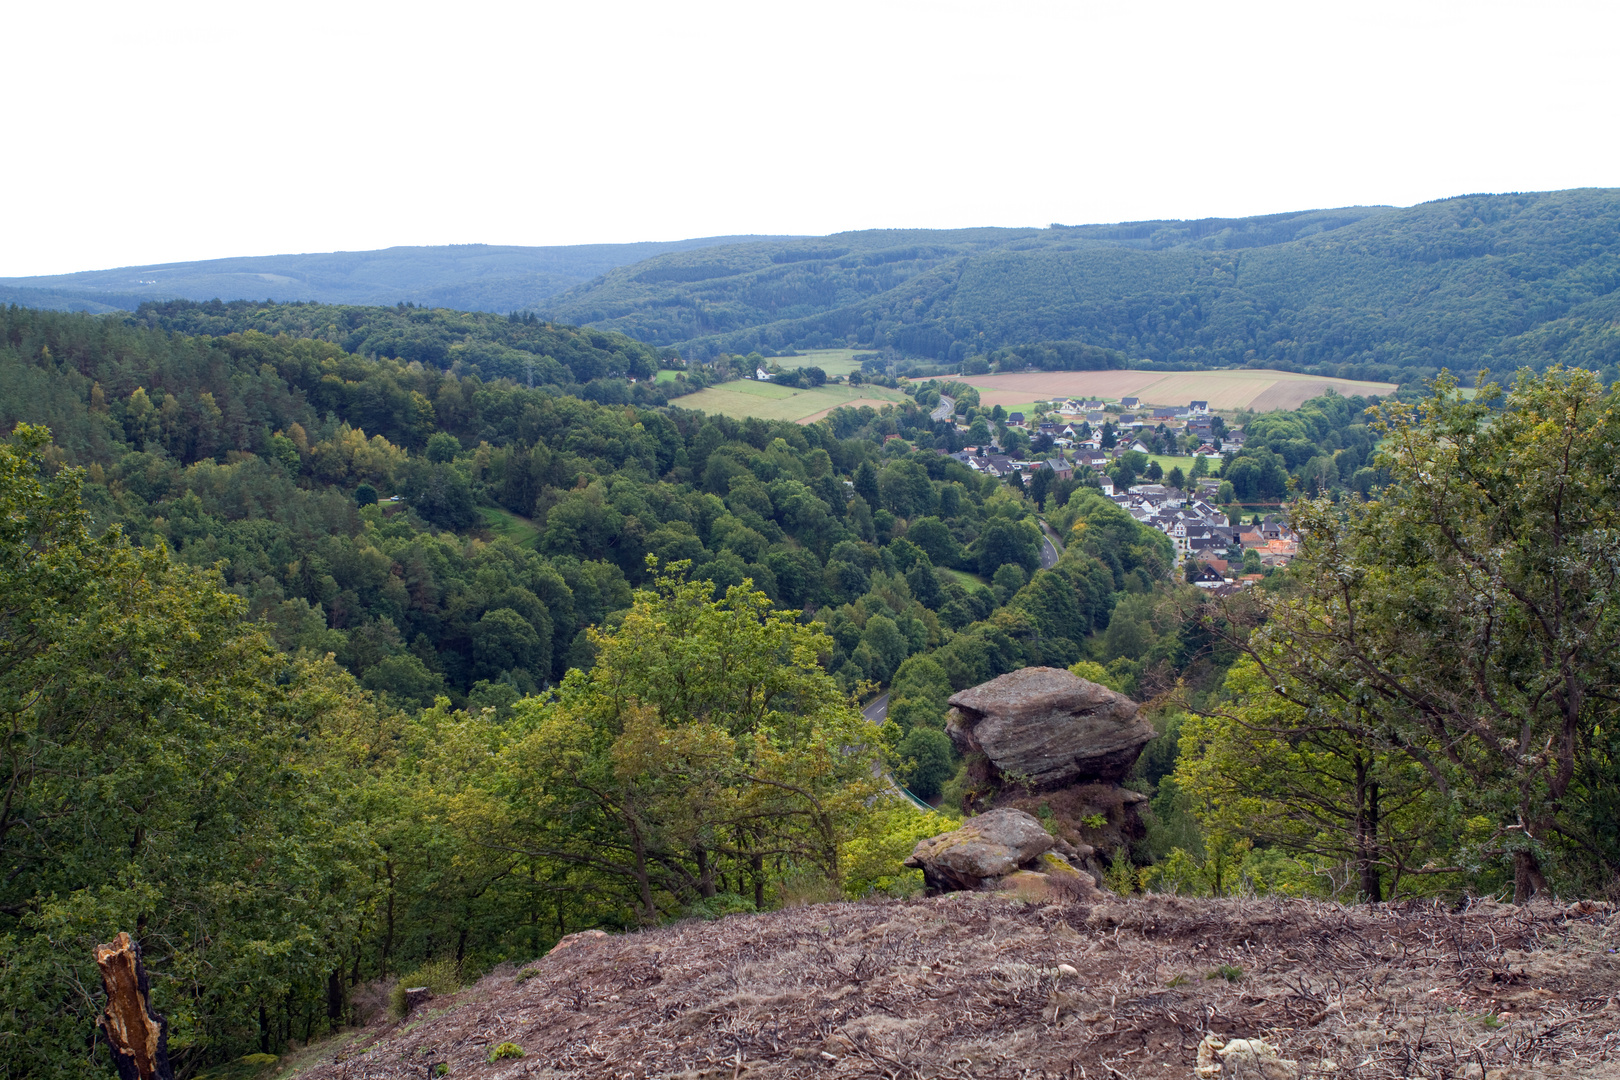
pixel 1004 850
pixel 1044 728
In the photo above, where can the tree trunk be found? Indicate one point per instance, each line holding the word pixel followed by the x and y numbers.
pixel 1527 877
pixel 649 914
pixel 388 936
pixel 1366 826
pixel 334 996
pixel 138 1036
pixel 705 873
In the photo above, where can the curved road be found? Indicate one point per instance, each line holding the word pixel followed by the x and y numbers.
pixel 876 712
pixel 1049 549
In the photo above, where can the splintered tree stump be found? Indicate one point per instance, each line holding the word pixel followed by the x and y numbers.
pixel 416 995
pixel 138 1036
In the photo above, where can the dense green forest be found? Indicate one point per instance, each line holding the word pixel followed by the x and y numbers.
pixel 1479 281
pixel 240 534
pixel 473 277
pixel 327 661
pixel 593 364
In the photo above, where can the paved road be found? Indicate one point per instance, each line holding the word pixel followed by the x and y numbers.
pixel 1049 548
pixel 876 712
pixel 945 410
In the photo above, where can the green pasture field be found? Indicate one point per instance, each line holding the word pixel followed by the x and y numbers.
pixel 1167 462
pixel 664 375
pixel 742 398
pixel 507 525
pixel 832 361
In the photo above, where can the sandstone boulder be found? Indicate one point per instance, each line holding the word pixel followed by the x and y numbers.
pixel 985 849
pixel 1046 728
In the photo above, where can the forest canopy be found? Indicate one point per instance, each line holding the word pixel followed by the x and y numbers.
pixel 1478 281
pixel 329 669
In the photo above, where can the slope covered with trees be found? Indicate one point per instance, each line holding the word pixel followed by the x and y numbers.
pixel 598 664
pixel 292 688
pixel 1490 281
pixel 475 277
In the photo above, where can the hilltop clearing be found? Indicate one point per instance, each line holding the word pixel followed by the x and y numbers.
pixel 967 986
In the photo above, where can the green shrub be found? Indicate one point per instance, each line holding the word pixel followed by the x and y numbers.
pixel 719 906
pixel 873 859
pixel 505 1050
pixel 1229 972
pixel 1121 874
pixel 439 976
pixel 525 975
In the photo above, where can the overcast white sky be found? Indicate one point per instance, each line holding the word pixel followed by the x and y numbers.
pixel 162 131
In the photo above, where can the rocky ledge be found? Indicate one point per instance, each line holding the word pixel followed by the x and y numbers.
pixel 1044 728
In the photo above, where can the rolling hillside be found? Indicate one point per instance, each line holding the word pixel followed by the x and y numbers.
pixel 1370 293
pixel 468 277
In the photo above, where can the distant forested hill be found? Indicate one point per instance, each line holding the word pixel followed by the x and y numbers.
pixel 1479 280
pixel 599 365
pixel 471 277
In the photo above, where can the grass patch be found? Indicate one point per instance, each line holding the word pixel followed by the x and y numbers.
pixel 1185 464
pixel 507 525
pixel 966 578
pixel 742 398
pixel 1230 972
pixel 832 361
pixel 244 1068
pixel 439 976
pixel 665 375
pixel 503 1051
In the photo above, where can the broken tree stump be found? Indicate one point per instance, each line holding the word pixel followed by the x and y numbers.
pixel 138 1036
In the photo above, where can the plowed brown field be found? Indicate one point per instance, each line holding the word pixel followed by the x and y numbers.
pixel 1240 388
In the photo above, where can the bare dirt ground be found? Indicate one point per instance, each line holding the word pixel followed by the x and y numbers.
pixel 969 986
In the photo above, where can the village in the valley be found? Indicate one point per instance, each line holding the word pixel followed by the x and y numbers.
pixel 1075 437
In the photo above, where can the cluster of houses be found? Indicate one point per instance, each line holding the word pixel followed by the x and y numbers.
pixel 1200 531
pixel 1073 415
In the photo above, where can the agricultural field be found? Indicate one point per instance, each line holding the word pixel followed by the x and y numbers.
pixel 1239 388
pixel 744 397
pixel 832 361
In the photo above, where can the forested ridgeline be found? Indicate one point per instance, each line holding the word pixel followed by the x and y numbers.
pixel 1478 281
pixel 471 277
